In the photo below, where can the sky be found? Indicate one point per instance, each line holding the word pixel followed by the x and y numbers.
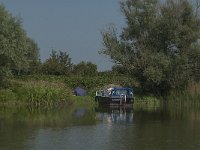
pixel 73 26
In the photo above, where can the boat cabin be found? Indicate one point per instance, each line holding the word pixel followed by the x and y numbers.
pixel 115 96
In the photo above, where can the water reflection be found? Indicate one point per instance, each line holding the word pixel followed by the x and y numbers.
pixel 138 128
pixel 19 124
pixel 115 115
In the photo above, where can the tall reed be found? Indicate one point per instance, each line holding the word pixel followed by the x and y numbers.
pixel 188 97
pixel 38 93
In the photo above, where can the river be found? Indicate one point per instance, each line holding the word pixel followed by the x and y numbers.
pixel 155 128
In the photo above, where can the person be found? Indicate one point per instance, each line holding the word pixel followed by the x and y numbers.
pixel 110 90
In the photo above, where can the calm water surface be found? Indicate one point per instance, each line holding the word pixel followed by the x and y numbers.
pixel 155 128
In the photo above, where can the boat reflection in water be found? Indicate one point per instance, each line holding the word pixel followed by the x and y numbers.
pixel 115 115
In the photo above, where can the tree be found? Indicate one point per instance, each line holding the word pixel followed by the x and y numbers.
pixel 32 56
pixel 14 44
pixel 157 43
pixel 119 69
pixel 85 69
pixel 58 64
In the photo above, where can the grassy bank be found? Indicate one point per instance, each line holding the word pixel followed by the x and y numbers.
pixel 43 90
pixel 37 93
pixel 91 84
pixel 190 96
pixel 147 103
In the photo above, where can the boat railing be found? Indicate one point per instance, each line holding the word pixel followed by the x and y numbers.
pixel 123 97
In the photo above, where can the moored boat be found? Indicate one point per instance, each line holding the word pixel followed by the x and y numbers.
pixel 115 96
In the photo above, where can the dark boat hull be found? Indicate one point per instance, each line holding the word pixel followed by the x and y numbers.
pixel 109 101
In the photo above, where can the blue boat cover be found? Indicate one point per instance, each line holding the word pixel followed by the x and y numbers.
pixel 78 91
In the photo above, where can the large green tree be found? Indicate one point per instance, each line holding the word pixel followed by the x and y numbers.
pixel 15 46
pixel 32 56
pixel 159 45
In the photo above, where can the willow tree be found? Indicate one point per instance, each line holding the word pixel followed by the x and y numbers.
pixel 14 44
pixel 159 44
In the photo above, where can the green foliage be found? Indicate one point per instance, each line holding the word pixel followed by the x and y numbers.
pixel 94 83
pixel 119 69
pixel 43 95
pixel 194 57
pixel 90 83
pixel 36 93
pixel 33 50
pixel 13 45
pixel 148 102
pixel 191 95
pixel 159 46
pixel 16 49
pixel 85 69
pixel 7 95
pixel 58 64
pixel 84 102
pixel 4 73
pixel 32 56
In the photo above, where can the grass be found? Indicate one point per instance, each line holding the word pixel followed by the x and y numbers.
pixel 193 88
pixel 7 96
pixel 189 96
pixel 41 93
pixel 37 93
pixel 45 93
pixel 84 101
pixel 43 90
pixel 149 102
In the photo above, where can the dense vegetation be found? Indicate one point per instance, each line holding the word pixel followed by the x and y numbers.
pixel 157 53
pixel 35 92
pixel 159 45
pixel 17 51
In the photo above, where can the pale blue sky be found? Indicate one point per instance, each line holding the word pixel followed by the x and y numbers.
pixel 73 26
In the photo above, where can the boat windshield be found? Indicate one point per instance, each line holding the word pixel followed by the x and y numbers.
pixel 120 92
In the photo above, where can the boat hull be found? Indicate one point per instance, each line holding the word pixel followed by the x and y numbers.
pixel 114 101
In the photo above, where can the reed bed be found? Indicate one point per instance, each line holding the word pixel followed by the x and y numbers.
pixel 194 88
pixel 37 93
pixel 190 97
pixel 149 102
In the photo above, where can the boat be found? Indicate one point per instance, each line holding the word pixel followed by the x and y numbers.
pixel 115 96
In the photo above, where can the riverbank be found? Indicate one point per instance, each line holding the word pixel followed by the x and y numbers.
pixel 39 93
pixel 49 91
pixel 46 90
pixel 36 93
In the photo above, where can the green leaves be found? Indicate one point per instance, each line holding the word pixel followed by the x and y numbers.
pixel 15 47
pixel 12 38
pixel 156 46
pixel 85 69
pixel 58 64
pixel 4 73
